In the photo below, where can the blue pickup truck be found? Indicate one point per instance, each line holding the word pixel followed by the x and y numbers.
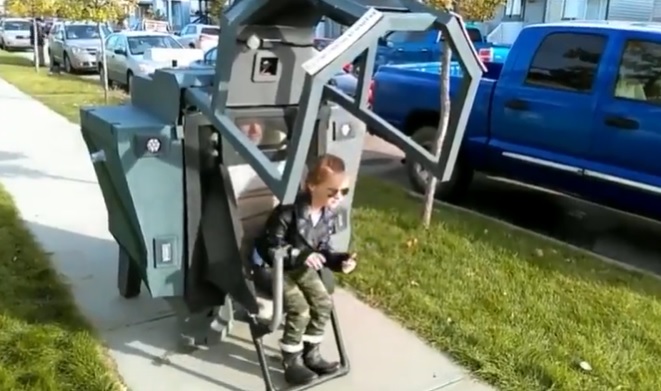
pixel 402 47
pixel 575 107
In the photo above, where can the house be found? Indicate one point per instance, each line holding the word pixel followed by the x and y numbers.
pixel 515 14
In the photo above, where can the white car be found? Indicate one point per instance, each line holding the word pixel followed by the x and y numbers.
pixel 15 33
pixel 199 36
pixel 130 53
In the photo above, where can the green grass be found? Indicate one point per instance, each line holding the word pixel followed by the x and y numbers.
pixel 65 94
pixel 520 311
pixel 45 344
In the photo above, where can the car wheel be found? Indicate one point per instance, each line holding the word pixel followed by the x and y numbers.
pixel 2 45
pixel 68 68
pixel 459 181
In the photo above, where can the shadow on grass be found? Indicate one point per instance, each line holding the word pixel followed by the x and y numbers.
pixel 514 241
pixel 14 60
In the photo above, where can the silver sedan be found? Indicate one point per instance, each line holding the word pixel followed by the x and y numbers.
pixel 131 53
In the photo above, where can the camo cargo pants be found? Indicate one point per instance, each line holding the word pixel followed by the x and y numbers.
pixel 307 306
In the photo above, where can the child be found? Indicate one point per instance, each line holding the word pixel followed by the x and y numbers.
pixel 303 230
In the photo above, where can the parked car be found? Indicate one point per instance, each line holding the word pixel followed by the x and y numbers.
pixel 200 36
pixel 130 53
pixel 15 33
pixel 575 107
pixel 73 45
pixel 344 81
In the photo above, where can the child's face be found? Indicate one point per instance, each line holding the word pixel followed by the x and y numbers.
pixel 331 192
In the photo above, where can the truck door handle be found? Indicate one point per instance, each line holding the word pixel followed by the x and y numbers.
pixel 400 49
pixel 620 122
pixel 517 104
pixel 424 50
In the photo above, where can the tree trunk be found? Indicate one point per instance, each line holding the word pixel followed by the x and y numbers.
pixel 440 133
pixel 104 65
pixel 35 44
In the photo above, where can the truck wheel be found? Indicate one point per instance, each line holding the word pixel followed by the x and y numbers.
pixel 449 191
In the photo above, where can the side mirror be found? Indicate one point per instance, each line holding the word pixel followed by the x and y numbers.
pixel 382 42
pixel 177 33
pixel 121 52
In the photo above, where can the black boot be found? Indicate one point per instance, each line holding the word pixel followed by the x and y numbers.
pixel 296 373
pixel 313 360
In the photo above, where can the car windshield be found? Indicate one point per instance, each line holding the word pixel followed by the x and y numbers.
pixel 17 25
pixel 84 31
pixel 139 45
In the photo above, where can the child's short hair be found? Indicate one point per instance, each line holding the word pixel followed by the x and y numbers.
pixel 325 166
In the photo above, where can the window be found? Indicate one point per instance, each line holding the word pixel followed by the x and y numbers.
pixel 17 25
pixel 138 45
pixel 474 34
pixel 566 61
pixel 408 36
pixel 210 31
pixel 188 30
pixel 639 74
pixel 85 31
pixel 210 56
pixel 513 8
pixel 574 9
pixel 111 43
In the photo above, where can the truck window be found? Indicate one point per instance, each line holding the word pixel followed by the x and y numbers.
pixel 639 74
pixel 566 61
pixel 408 36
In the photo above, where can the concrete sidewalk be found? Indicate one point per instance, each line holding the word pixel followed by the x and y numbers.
pixel 45 166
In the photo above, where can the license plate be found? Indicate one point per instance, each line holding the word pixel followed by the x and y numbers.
pixel 21 37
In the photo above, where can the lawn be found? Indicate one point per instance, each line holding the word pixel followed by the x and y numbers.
pixel 520 311
pixel 45 344
pixel 63 93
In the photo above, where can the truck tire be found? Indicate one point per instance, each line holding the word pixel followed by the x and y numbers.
pixel 449 191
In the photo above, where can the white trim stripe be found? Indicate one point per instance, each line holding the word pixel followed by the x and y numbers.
pixel 291 348
pixel 313 338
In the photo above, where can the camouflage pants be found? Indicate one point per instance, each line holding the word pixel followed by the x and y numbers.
pixel 307 306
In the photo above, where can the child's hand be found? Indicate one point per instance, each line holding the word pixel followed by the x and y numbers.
pixel 349 264
pixel 315 261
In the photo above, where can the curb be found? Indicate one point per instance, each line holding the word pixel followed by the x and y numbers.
pixel 555 241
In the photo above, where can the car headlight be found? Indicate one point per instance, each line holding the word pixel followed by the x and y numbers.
pixel 146 69
pixel 76 50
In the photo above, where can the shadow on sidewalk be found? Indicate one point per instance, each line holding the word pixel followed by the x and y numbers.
pixel 90 265
pixel 11 167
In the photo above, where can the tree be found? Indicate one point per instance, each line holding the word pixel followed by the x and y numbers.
pixel 473 10
pixel 101 12
pixel 30 8
pixel 430 191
